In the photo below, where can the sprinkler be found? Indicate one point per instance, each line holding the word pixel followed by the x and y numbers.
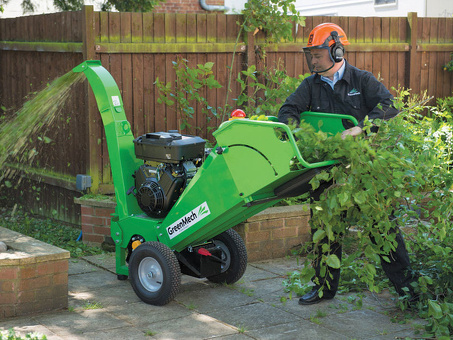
pixel 177 201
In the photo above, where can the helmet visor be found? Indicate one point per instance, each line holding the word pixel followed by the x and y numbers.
pixel 318 59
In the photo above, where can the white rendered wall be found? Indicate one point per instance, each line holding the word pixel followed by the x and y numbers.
pixel 364 8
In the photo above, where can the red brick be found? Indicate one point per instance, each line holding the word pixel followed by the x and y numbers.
pixel 254 256
pixel 45 268
pixel 296 221
pixel 253 226
pixel 101 230
pixel 87 229
pixel 60 291
pixel 61 266
pixel 28 271
pixel 44 293
pixel 7 311
pixel 92 220
pixel 26 296
pixel 258 236
pixel 8 298
pixel 103 212
pixel 282 233
pixel 60 279
pixel 291 243
pixel 8 285
pixel 276 245
pixel 9 273
pixel 271 224
pixel 35 283
pixel 87 211
pixel 304 230
pixel 93 238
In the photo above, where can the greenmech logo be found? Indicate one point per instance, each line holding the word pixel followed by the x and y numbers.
pixel 188 220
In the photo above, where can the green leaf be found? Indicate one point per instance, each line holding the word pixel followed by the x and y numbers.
pixel 333 261
pixel 360 197
pixel 371 269
pixel 318 235
pixel 434 309
pixel 209 65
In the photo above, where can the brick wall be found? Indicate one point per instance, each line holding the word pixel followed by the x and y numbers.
pixel 270 234
pixel 96 223
pixel 184 6
pixel 275 232
pixel 33 276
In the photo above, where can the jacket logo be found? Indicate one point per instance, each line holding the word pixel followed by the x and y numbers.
pixel 353 92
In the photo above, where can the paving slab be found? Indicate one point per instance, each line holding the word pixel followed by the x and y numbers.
pixel 105 261
pixel 194 326
pixel 356 324
pixel 296 330
pixel 91 281
pixel 255 273
pixel 256 307
pixel 79 266
pixel 281 266
pixel 262 290
pixel 207 300
pixel 143 316
pixel 115 333
pixel 69 324
pixel 253 316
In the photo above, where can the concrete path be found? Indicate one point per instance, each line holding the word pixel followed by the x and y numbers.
pixel 101 307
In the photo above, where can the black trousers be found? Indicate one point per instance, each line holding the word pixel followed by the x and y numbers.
pixel 397 270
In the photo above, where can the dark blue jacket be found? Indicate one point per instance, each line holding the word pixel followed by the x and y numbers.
pixel 358 94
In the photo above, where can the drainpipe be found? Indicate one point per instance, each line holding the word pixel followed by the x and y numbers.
pixel 207 7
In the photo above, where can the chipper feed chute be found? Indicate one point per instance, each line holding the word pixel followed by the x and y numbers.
pixel 177 202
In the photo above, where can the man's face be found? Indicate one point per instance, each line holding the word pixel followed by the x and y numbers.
pixel 320 60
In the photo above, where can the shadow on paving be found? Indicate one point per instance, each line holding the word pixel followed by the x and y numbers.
pixel 102 307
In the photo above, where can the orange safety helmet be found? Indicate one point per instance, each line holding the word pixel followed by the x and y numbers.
pixel 328 36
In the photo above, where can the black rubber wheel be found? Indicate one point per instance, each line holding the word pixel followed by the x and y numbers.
pixel 154 273
pixel 234 254
pixel 122 277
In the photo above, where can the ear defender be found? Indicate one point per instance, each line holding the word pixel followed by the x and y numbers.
pixel 337 49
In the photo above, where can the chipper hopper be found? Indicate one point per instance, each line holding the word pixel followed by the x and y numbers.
pixel 177 201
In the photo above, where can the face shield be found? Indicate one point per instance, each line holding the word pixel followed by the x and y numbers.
pixel 319 59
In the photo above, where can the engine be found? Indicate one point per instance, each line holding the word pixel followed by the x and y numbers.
pixel 171 160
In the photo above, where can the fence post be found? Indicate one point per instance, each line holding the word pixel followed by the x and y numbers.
pixel 251 60
pixel 88 50
pixel 413 29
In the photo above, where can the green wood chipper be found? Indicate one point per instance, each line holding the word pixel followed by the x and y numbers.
pixel 177 200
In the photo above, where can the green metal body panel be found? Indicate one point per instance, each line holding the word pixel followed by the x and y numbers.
pixel 236 180
pixel 327 122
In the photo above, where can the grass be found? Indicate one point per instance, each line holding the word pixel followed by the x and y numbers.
pixel 11 335
pixel 47 230
pixel 92 305
pixel 241 329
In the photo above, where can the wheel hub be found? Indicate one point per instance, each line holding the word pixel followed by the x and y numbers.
pixel 150 274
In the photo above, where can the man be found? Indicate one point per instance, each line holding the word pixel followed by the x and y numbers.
pixel 338 87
